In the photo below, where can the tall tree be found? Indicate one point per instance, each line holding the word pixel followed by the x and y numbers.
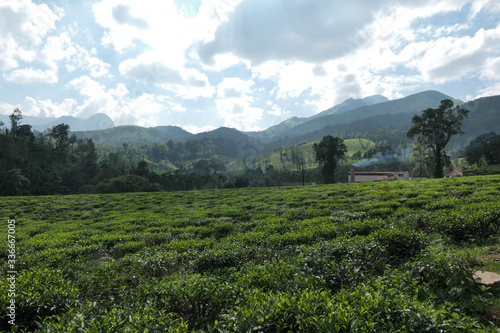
pixel 435 127
pixel 328 152
pixel 15 121
pixel 24 131
pixel 61 134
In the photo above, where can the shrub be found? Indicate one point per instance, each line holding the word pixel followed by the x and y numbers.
pixel 129 183
pixel 400 244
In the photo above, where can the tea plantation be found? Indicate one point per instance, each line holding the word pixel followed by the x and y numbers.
pixel 375 257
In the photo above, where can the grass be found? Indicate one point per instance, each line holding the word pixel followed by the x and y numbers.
pixel 306 150
pixel 392 256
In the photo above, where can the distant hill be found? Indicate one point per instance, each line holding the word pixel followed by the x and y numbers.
pixel 411 105
pixel 117 136
pixel 276 130
pixel 377 113
pixel 98 121
pixel 347 105
pixel 351 104
pixel 484 117
pixel 223 132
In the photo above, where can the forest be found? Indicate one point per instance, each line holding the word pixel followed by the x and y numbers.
pixel 57 162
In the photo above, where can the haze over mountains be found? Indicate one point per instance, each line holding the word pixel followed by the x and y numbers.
pixel 351 116
pixel 98 121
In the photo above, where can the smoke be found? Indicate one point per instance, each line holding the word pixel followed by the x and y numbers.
pixel 379 158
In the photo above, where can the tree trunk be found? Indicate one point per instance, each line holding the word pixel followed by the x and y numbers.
pixel 438 171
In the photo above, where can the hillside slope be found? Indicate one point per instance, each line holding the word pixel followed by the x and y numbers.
pixel 347 105
pixel 136 135
pixel 410 105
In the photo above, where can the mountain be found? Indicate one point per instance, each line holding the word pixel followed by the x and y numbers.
pixel 351 104
pixel 484 117
pixel 117 136
pixel 223 132
pixel 411 105
pixel 276 130
pixel 96 122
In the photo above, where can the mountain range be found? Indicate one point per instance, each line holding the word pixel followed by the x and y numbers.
pixel 99 121
pixel 352 116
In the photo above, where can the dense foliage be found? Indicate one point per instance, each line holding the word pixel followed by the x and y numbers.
pixel 57 162
pixel 328 152
pixel 367 257
pixel 435 127
pixel 485 149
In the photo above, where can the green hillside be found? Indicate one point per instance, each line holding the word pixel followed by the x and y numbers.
pixel 116 136
pixel 284 159
pixel 411 104
pixel 374 257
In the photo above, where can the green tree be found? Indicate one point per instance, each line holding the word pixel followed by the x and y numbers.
pixel 423 158
pixel 328 152
pixel 14 183
pixel 24 132
pixel 486 145
pixel 61 134
pixel 15 121
pixel 435 127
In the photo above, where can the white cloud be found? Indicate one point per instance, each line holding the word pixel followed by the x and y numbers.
pixel 117 103
pixel 492 90
pixel 62 48
pixel 491 70
pixel 275 109
pixel 197 129
pixel 235 104
pixel 31 75
pixel 41 107
pixel 86 86
pixel 234 87
pixel 23 27
pixel 158 25
pixel 450 58
pixel 187 83
pixel 57 48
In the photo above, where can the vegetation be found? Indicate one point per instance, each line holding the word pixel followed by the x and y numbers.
pixel 435 127
pixel 484 149
pixel 328 151
pixel 393 256
pixel 57 162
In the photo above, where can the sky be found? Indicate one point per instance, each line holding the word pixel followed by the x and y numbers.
pixel 245 64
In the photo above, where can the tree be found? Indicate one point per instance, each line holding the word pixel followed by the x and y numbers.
pixel 15 120
pixel 485 146
pixel 61 134
pixel 435 127
pixel 24 131
pixel 328 151
pixel 424 160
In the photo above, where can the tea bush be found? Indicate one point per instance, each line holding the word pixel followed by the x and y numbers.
pixel 332 258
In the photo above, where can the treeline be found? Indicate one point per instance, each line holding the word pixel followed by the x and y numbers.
pixel 55 162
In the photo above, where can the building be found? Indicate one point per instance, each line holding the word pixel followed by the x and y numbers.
pixel 457 172
pixel 376 176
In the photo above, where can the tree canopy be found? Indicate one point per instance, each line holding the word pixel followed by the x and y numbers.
pixel 486 146
pixel 328 151
pixel 61 134
pixel 435 127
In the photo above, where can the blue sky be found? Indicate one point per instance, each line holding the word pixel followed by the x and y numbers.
pixel 246 64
